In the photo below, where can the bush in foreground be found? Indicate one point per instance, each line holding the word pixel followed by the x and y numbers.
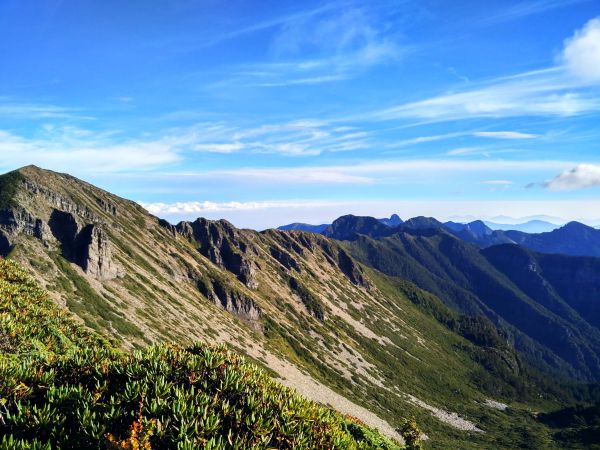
pixel 63 387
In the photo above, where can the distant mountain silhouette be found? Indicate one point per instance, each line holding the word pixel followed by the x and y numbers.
pixel 349 227
pixel 304 227
pixel 393 221
pixel 532 226
pixel 573 238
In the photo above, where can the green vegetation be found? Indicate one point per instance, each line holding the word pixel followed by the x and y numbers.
pixel 8 188
pixel 96 312
pixel 401 350
pixel 30 324
pixel 63 387
pixel 577 427
pixel 542 328
pixel 312 303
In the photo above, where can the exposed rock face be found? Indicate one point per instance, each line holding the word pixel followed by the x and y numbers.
pixel 219 242
pixel 350 269
pixel 19 221
pixel 85 245
pixel 340 258
pixel 168 226
pixel 232 301
pixel 312 304
pixel 107 206
pixel 96 257
pixel 285 259
pixel 60 203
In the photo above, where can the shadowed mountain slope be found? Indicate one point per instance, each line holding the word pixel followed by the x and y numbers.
pixel 574 239
pixel 552 338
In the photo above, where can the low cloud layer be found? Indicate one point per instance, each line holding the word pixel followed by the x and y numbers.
pixel 580 177
pixel 184 208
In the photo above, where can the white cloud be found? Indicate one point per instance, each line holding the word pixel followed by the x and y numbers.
pixel 380 171
pixel 65 147
pixel 540 93
pixel 580 177
pixel 497 182
pixel 560 90
pixel 462 151
pixel 296 138
pixel 581 54
pixel 68 149
pixel 211 207
pixel 219 148
pixel 505 135
pixel 40 111
pixel 529 7
pixel 321 48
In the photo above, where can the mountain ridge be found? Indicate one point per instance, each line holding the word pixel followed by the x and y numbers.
pixel 573 238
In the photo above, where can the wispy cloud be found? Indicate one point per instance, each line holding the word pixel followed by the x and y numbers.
pixel 505 135
pixel 449 136
pixel 268 24
pixel 529 8
pixel 561 91
pixel 383 171
pixel 580 177
pixel 39 111
pixel 498 182
pixel 463 151
pixel 65 148
pixel 530 94
pixel 322 48
pixel 296 138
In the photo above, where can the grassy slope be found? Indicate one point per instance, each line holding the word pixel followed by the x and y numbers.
pixel 463 278
pixel 375 344
pixel 64 385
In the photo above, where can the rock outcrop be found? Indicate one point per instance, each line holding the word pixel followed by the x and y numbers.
pixel 96 255
pixel 351 269
pixel 232 301
pixel 219 241
pixel 285 259
pixel 17 221
pixel 86 245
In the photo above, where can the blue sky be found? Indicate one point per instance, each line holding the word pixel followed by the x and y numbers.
pixel 271 112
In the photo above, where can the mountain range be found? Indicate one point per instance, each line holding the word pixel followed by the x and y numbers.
pixel 574 238
pixel 380 319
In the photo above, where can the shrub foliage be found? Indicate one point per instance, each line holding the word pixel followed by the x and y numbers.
pixel 63 387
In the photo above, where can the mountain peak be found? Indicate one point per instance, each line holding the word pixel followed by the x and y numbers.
pixel 422 222
pixel 30 167
pixel 575 226
pixel 393 221
pixel 349 226
pixel 33 171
